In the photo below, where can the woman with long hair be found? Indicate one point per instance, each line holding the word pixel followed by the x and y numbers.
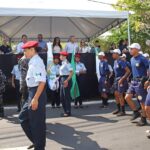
pixel 56 46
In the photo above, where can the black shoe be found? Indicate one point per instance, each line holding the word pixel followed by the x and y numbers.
pixel 135 115
pixel 81 106
pixel 115 112
pixel 66 115
pixel 121 114
pixel 31 146
pixel 101 106
pixel 142 122
pixel 75 106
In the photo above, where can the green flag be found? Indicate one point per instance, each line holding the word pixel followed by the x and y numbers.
pixel 74 89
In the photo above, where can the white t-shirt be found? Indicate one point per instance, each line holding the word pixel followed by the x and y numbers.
pixel 56 49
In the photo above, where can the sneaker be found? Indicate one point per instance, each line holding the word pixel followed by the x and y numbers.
pixel 121 114
pixel 142 122
pixel 135 115
pixel 115 112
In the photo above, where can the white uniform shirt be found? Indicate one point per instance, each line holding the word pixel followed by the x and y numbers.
pixel 16 72
pixel 80 67
pixel 36 71
pixel 19 48
pixel 55 69
pixel 65 68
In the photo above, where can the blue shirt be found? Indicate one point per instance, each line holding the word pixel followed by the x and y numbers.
pixel 16 72
pixel 139 66
pixel 103 68
pixel 80 67
pixel 128 65
pixel 119 68
pixel 72 47
pixel 42 44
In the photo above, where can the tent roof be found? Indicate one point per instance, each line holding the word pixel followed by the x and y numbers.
pixel 54 18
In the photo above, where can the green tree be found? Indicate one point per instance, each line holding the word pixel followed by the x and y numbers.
pixel 139 22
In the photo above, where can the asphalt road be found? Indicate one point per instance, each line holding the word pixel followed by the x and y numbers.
pixel 91 128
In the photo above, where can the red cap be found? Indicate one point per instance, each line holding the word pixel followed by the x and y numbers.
pixel 78 55
pixel 64 53
pixel 30 44
pixel 56 57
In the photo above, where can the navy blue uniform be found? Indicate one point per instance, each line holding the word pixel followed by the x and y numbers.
pixel 139 66
pixel 119 70
pixel 104 72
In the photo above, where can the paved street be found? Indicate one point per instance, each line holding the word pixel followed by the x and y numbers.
pixel 91 128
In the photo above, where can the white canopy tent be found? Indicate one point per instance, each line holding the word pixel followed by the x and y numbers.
pixel 53 18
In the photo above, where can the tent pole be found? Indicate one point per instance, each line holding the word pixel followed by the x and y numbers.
pixel 129 36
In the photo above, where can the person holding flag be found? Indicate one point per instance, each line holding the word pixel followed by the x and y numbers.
pixel 66 73
pixel 80 78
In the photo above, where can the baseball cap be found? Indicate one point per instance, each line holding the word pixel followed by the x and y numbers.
pixel 116 51
pixel 146 55
pixel 101 54
pixel 135 45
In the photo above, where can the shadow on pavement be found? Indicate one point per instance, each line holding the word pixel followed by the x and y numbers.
pixel 69 137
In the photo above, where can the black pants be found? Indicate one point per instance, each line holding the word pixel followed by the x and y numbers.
pixel 55 95
pixel 65 96
pixel 18 94
pixel 33 122
pixel 81 79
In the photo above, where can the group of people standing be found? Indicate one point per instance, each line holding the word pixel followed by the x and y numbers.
pixel 130 79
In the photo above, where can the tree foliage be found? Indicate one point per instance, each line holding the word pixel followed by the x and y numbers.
pixel 139 22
